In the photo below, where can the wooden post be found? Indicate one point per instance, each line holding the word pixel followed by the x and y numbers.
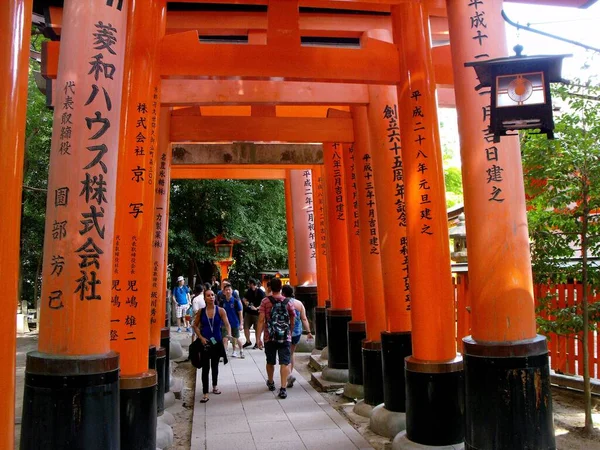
pixel 159 334
pixel 371 246
pixel 15 19
pixel 320 330
pixel 74 341
pixel 434 362
pixel 503 322
pixel 289 219
pixel 340 312
pixel 134 222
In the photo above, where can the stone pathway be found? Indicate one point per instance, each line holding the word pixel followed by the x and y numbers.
pixel 247 415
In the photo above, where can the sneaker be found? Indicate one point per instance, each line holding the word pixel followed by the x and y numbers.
pixel 234 354
pixel 255 347
pixel 247 344
pixel 242 355
pixel 271 385
pixel 179 330
pixel 282 393
pixel 290 381
pixel 188 329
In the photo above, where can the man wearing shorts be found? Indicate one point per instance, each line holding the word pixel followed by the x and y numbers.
pixel 252 299
pixel 275 349
pixel 233 308
pixel 181 298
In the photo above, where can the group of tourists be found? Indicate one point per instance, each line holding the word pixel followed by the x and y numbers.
pixel 277 317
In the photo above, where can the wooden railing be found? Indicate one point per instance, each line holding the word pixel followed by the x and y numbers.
pixel 566 351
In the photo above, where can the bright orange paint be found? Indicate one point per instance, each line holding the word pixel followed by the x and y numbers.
pixel 15 20
pixel 76 287
pixel 320 236
pixel 388 179
pixel 161 188
pixel 303 213
pixel 263 129
pixel 337 214
pixel 136 183
pixel 432 293
pixel 370 238
pixel 289 219
pixel 351 167
pixel 500 277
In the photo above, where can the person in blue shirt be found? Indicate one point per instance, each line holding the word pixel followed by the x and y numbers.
pixel 207 326
pixel 233 308
pixel 181 299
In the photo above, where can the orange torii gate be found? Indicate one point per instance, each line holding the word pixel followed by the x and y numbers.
pixel 286 55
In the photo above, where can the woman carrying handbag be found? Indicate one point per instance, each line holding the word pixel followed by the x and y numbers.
pixel 207 326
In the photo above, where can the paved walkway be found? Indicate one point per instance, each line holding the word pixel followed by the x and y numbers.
pixel 248 416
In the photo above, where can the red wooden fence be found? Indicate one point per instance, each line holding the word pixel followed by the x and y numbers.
pixel 566 352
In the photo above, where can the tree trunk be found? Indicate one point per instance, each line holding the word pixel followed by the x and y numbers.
pixel 587 392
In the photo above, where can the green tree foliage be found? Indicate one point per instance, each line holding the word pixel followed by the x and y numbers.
pixel 250 210
pixel 35 182
pixel 563 187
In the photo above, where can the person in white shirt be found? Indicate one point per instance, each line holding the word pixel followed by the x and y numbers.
pixel 197 301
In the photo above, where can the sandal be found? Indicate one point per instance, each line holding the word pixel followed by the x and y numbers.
pixel 216 391
pixel 204 399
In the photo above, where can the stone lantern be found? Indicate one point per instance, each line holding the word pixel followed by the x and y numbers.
pixel 459 234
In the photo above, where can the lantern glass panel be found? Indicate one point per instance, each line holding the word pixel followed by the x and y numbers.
pixel 520 89
pixel 223 250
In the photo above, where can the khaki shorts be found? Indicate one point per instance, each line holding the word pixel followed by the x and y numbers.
pixel 249 320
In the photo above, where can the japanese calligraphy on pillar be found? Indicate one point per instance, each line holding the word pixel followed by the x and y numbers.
pixel 310 212
pixel 370 199
pixel 337 180
pixel 390 115
pixel 494 169
pixel 322 246
pixel 354 190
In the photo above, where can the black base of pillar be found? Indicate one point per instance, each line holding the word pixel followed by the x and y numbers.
pixel 372 372
pixel 161 357
pixel 508 397
pixel 435 401
pixel 152 357
pixel 327 304
pixel 70 402
pixel 308 296
pixel 320 328
pixel 165 342
pixel 138 411
pixel 337 337
pixel 356 334
pixel 395 347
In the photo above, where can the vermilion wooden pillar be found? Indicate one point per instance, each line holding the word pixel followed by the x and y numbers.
pixel 370 246
pixel 320 330
pixel 75 369
pixel 340 292
pixel 289 219
pixel 434 376
pixel 15 19
pixel 357 327
pixel 159 332
pixel 304 215
pixel 506 364
pixel 134 226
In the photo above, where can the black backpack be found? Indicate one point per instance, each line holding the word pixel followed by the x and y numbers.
pixel 278 325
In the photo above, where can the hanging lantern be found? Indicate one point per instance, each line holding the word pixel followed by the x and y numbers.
pixel 520 91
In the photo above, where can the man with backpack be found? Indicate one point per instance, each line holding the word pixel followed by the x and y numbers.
pixel 276 318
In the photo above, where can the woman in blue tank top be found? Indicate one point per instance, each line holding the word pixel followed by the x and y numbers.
pixel 207 327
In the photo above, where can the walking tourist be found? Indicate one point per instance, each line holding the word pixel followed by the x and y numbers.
pixel 197 302
pixel 300 321
pixel 252 299
pixel 181 299
pixel 207 327
pixel 277 316
pixel 233 308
